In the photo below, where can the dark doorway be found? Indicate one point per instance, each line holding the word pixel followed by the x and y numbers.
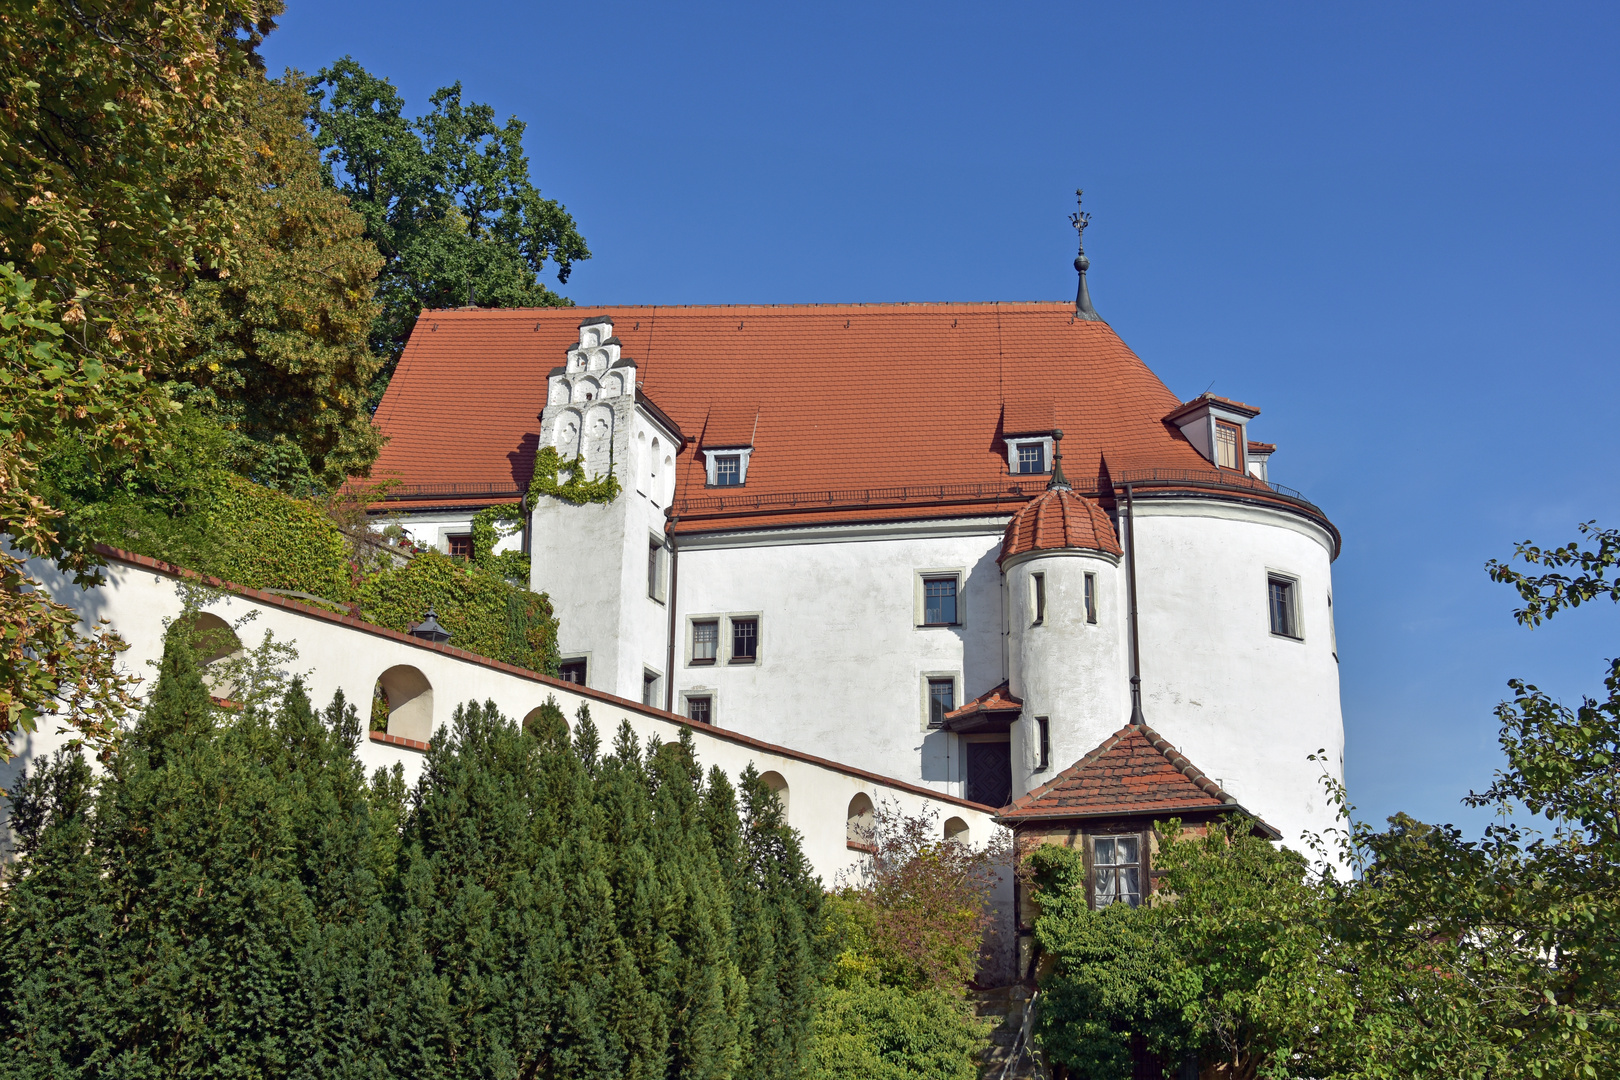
pixel 989 773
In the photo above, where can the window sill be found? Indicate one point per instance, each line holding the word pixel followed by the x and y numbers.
pixel 744 661
pixel 1287 637
pixel 701 663
pixel 937 625
pixel 855 845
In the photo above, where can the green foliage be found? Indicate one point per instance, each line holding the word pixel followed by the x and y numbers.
pixel 446 198
pixel 278 348
pixel 273 541
pixel 886 1033
pixel 489 526
pixel 233 898
pixel 483 613
pixel 578 488
pixel 1547 594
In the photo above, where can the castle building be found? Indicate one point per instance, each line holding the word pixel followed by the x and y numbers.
pixel 958 544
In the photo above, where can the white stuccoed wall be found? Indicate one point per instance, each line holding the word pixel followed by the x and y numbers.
pixel 337 654
pixel 1244 705
pixel 842 663
pixel 1074 673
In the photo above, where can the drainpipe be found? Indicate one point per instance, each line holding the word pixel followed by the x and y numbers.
pixel 674 577
pixel 1137 719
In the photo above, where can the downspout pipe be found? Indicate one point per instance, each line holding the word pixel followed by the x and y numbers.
pixel 674 580
pixel 1137 719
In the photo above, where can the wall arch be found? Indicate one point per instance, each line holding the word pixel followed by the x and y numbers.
pixel 217 645
pixel 410 702
pixel 587 390
pixel 956 830
pixel 859 822
pixel 567 433
pixel 779 787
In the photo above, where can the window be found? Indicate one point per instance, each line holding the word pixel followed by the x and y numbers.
pixel 744 640
pixel 728 470
pixel 572 671
pixel 655 563
pixel 939 601
pixel 1118 870
pixel 1031 457
pixel 649 689
pixel 1333 631
pixel 700 709
pixel 1091 598
pixel 459 547
pixel 1226 446
pixel 941 700
pixel 1038 585
pixel 705 642
pixel 1280 601
pixel 1043 732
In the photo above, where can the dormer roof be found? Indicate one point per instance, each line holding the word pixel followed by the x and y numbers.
pixel 1056 520
pixel 1135 772
pixel 1221 404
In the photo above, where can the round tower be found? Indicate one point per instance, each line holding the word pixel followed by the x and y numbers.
pixel 1061 568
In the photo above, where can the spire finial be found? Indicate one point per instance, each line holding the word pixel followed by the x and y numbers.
pixel 1059 482
pixel 1082 298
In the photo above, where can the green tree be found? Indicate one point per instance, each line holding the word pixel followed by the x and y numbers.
pixel 278 351
pixel 446 198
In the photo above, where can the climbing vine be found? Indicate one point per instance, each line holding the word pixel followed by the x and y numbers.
pixel 489 526
pixel 578 488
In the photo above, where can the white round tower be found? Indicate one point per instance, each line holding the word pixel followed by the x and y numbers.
pixel 1064 580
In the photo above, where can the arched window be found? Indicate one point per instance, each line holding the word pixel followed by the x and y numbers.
pixel 778 784
pixel 409 700
pixel 956 830
pixel 858 824
pixel 216 645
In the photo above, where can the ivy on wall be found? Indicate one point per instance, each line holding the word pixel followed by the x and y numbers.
pixel 481 610
pixel 578 488
pixel 489 526
pixel 268 540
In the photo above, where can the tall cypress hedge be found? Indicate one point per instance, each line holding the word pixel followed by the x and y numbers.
pixel 235 898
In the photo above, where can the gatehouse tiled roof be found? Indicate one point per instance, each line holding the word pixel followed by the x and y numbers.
pixel 1135 772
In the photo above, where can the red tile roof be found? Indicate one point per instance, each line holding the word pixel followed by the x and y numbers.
pixel 1059 519
pixel 1134 772
pixel 1262 447
pixel 845 396
pixel 999 699
pixel 1250 411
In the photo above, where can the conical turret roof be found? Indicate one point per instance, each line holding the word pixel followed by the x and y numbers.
pixel 1059 519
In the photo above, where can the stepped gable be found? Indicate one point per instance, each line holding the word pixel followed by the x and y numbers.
pixel 1135 772
pixel 1059 519
pixel 847 396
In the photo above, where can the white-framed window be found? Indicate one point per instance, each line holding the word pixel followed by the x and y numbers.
pixel 1091 598
pixel 727 466
pixel 655 568
pixel 937 596
pixel 1116 869
pixel 1043 743
pixel 574 669
pixel 1028 456
pixel 699 706
pixel 1037 598
pixel 744 646
pixel 705 641
pixel 1282 606
pixel 1228 445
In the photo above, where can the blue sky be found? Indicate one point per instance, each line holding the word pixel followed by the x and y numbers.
pixel 1392 227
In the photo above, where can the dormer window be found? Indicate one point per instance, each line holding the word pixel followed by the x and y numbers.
pixel 727 467
pixel 1029 455
pixel 1226 445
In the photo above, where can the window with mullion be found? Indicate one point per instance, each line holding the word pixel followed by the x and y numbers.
pixel 941 700
pixel 1116 870
pixel 728 470
pixel 744 640
pixel 1031 457
pixel 1280 603
pixel 705 641
pixel 939 601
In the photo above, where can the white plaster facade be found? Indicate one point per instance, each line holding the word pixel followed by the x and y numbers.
pixel 843 659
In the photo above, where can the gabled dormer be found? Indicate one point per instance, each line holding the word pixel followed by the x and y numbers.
pixel 1217 428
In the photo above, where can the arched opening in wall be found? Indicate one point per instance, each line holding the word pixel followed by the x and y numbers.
pixel 778 785
pixel 402 704
pixel 858 831
pixel 956 831
pixel 217 646
pixel 536 722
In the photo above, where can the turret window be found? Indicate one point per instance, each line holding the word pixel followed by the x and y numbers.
pixel 1043 734
pixel 1091 598
pixel 1037 583
pixel 1282 606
